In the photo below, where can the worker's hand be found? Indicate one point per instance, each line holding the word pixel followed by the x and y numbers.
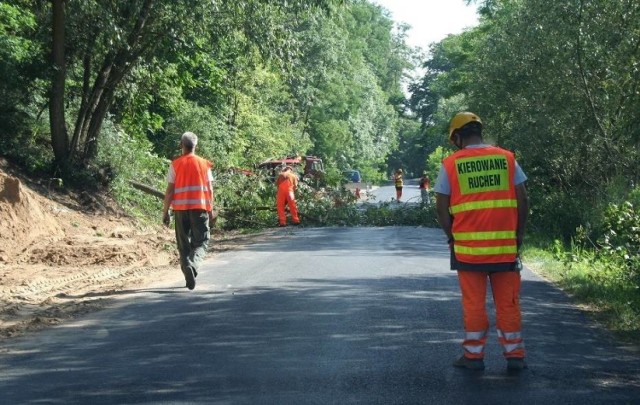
pixel 166 219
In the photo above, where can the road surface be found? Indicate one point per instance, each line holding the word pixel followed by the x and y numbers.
pixel 316 316
pixel 410 193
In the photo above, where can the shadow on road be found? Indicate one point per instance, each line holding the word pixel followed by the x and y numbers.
pixel 387 340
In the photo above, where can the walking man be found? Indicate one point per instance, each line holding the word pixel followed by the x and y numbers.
pixel 190 194
pixel 482 207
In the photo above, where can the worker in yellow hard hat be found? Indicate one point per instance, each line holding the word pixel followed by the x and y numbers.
pixel 482 207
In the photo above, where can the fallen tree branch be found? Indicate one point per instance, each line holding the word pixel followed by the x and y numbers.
pixel 147 189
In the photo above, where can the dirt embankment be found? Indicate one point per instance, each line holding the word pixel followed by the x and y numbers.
pixel 63 254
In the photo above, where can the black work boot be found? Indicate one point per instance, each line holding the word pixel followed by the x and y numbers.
pixel 190 278
pixel 516 364
pixel 471 364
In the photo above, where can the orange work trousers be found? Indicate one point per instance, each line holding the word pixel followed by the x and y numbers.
pixel 286 197
pixel 505 286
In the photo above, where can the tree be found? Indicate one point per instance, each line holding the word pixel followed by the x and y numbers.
pixel 19 53
pixel 121 34
pixel 346 84
pixel 59 137
pixel 553 82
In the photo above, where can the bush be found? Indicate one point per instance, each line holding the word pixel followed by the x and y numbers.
pixel 121 159
pixel 245 201
pixel 621 240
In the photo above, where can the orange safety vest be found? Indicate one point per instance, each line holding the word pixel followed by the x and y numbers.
pixel 483 205
pixel 192 188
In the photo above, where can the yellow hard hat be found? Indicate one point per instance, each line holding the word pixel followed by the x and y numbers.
pixel 460 120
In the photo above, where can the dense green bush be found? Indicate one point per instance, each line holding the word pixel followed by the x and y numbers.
pixel 621 240
pixel 601 266
pixel 244 201
pixel 122 159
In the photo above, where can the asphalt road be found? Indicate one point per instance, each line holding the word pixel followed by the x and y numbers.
pixel 316 316
pixel 410 193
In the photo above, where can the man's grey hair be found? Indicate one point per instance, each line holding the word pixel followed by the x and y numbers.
pixel 189 140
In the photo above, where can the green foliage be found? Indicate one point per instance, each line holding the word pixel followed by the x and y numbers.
pixel 605 273
pixel 621 240
pixel 122 159
pixel 18 55
pixel 594 280
pixel 253 79
pixel 244 201
pixel 434 162
pixel 388 214
pixel 337 207
pixel 248 202
pixel 410 150
pixel 348 72
pixel 554 83
pixel 332 206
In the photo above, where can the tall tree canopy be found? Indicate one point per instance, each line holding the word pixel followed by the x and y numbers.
pixel 555 83
pixel 254 78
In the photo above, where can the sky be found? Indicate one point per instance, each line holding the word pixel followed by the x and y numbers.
pixel 431 20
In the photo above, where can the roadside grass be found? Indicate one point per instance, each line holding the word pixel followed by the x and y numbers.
pixel 599 286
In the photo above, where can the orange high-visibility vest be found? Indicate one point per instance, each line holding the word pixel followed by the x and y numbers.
pixel 483 205
pixel 192 188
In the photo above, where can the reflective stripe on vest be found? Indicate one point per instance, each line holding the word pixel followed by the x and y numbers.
pixel 462 236
pixel 399 182
pixel 485 251
pixel 192 188
pixel 479 205
pixel 483 205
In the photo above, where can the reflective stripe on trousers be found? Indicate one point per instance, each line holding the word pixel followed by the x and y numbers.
pixel 505 287
pixel 512 343
pixel 474 344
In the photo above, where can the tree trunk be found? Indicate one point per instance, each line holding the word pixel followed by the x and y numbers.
pixel 59 137
pixel 147 189
pixel 104 93
pixel 113 71
pixel 84 105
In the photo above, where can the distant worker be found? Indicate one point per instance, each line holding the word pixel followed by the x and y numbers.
pixel 190 194
pixel 425 186
pixel 482 207
pixel 397 179
pixel 287 183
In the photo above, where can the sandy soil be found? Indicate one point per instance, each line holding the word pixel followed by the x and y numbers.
pixel 63 255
